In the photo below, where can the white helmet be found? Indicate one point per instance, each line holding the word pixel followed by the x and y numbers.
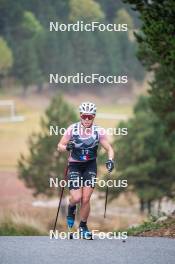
pixel 87 108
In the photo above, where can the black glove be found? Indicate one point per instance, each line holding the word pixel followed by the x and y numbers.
pixel 110 165
pixel 70 145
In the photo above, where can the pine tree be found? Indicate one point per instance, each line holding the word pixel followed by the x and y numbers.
pixel 157 53
pixel 43 161
pixel 145 156
pixel 6 60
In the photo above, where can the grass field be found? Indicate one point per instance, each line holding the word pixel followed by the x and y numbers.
pixel 14 136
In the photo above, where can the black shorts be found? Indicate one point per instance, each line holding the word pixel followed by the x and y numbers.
pixel 81 174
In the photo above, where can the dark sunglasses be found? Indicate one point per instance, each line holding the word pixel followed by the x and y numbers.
pixel 89 117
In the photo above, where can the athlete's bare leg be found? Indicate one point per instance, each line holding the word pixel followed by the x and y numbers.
pixel 75 196
pixel 85 203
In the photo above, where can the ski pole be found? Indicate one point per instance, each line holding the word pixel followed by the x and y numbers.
pixel 59 205
pixel 106 198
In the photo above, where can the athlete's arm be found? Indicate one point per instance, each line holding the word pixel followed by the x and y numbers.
pixel 110 163
pixel 105 144
pixel 62 145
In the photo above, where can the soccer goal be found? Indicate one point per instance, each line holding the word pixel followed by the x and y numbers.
pixel 8 112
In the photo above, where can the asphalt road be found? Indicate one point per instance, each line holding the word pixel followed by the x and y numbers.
pixel 36 250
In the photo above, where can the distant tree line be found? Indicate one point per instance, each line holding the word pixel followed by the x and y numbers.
pixel 35 52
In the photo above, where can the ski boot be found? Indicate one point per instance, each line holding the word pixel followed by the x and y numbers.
pixel 84 232
pixel 70 220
